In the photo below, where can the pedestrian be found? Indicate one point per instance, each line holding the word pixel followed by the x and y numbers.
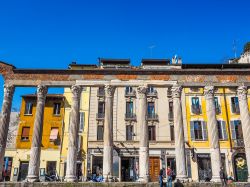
pixel 223 177
pixel 161 177
pixel 169 177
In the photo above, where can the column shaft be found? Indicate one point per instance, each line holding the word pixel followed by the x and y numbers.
pixel 181 172
pixel 144 143
pixel 4 121
pixel 245 121
pixel 34 163
pixel 73 134
pixel 213 133
pixel 108 134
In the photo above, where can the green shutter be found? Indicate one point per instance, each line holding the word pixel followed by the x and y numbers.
pixel 233 130
pixel 204 130
pixel 192 130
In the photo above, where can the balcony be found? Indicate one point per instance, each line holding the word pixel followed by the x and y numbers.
pixel 130 93
pixel 130 117
pixel 170 116
pixel 152 117
pixel 100 116
pixel 238 143
pixel 100 92
pixel 196 109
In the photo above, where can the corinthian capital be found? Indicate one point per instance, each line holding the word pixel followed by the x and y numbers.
pixel 176 91
pixel 8 90
pixel 76 91
pixel 109 90
pixel 242 92
pixel 142 90
pixel 209 92
pixel 42 91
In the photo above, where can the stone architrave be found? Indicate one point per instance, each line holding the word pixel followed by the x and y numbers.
pixel 73 134
pixel 181 172
pixel 34 163
pixel 4 121
pixel 213 133
pixel 108 134
pixel 144 143
pixel 245 121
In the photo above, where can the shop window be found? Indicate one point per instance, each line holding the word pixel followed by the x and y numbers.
pixel 25 133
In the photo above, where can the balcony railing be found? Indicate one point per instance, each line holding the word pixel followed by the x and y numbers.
pixel 100 92
pixel 238 143
pixel 152 93
pixel 100 116
pixel 171 116
pixel 235 109
pixel 130 93
pixel 152 117
pixel 196 109
pixel 130 116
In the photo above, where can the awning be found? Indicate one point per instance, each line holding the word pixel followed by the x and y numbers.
pixel 53 134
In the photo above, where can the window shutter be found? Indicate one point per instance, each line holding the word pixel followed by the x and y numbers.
pixel 224 130
pixel 204 130
pixel 192 130
pixel 233 130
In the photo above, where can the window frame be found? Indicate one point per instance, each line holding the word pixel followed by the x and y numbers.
pixel 29 111
pixel 200 104
pixel 25 139
pixel 57 109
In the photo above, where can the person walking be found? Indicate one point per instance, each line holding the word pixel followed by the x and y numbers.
pixel 169 177
pixel 223 177
pixel 161 178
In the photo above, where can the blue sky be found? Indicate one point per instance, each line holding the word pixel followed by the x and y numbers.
pixel 51 34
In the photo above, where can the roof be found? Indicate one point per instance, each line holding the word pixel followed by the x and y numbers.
pixel 155 61
pixel 7 64
pixel 215 66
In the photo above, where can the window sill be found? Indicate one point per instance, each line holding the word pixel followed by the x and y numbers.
pixel 25 140
pixel 57 115
pixel 28 114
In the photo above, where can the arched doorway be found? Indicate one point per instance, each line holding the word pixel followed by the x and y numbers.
pixel 240 167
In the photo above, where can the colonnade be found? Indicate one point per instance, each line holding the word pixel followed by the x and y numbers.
pixel 181 170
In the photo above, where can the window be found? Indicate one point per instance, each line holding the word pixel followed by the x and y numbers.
pixel 28 108
pixel 196 108
pixel 57 108
pixel 129 107
pixel 81 124
pixel 151 108
pixel 101 107
pixel 151 133
pixel 171 111
pixel 101 91
pixel 217 105
pixel 79 146
pixel 128 89
pixel 100 132
pixel 235 105
pixel 129 132
pixel 53 134
pixel 25 133
pixel 236 129
pixel 151 89
pixel 172 132
pixel 222 132
pixel 198 130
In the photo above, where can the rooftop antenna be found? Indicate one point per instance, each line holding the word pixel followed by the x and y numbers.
pixel 151 50
pixel 235 48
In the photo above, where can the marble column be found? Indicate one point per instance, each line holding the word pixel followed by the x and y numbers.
pixel 180 157
pixel 34 163
pixel 4 121
pixel 213 136
pixel 144 144
pixel 245 121
pixel 108 134
pixel 73 134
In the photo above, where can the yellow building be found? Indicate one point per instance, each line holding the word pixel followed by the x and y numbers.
pixel 83 133
pixel 229 131
pixel 51 137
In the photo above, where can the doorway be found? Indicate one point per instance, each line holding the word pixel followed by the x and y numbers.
pixel 154 168
pixel 240 166
pixel 51 168
pixel 23 170
pixel 128 169
pixel 204 167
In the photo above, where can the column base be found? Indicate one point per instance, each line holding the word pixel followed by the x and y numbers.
pixel 215 179
pixel 248 179
pixel 143 179
pixel 70 178
pixel 32 178
pixel 182 178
